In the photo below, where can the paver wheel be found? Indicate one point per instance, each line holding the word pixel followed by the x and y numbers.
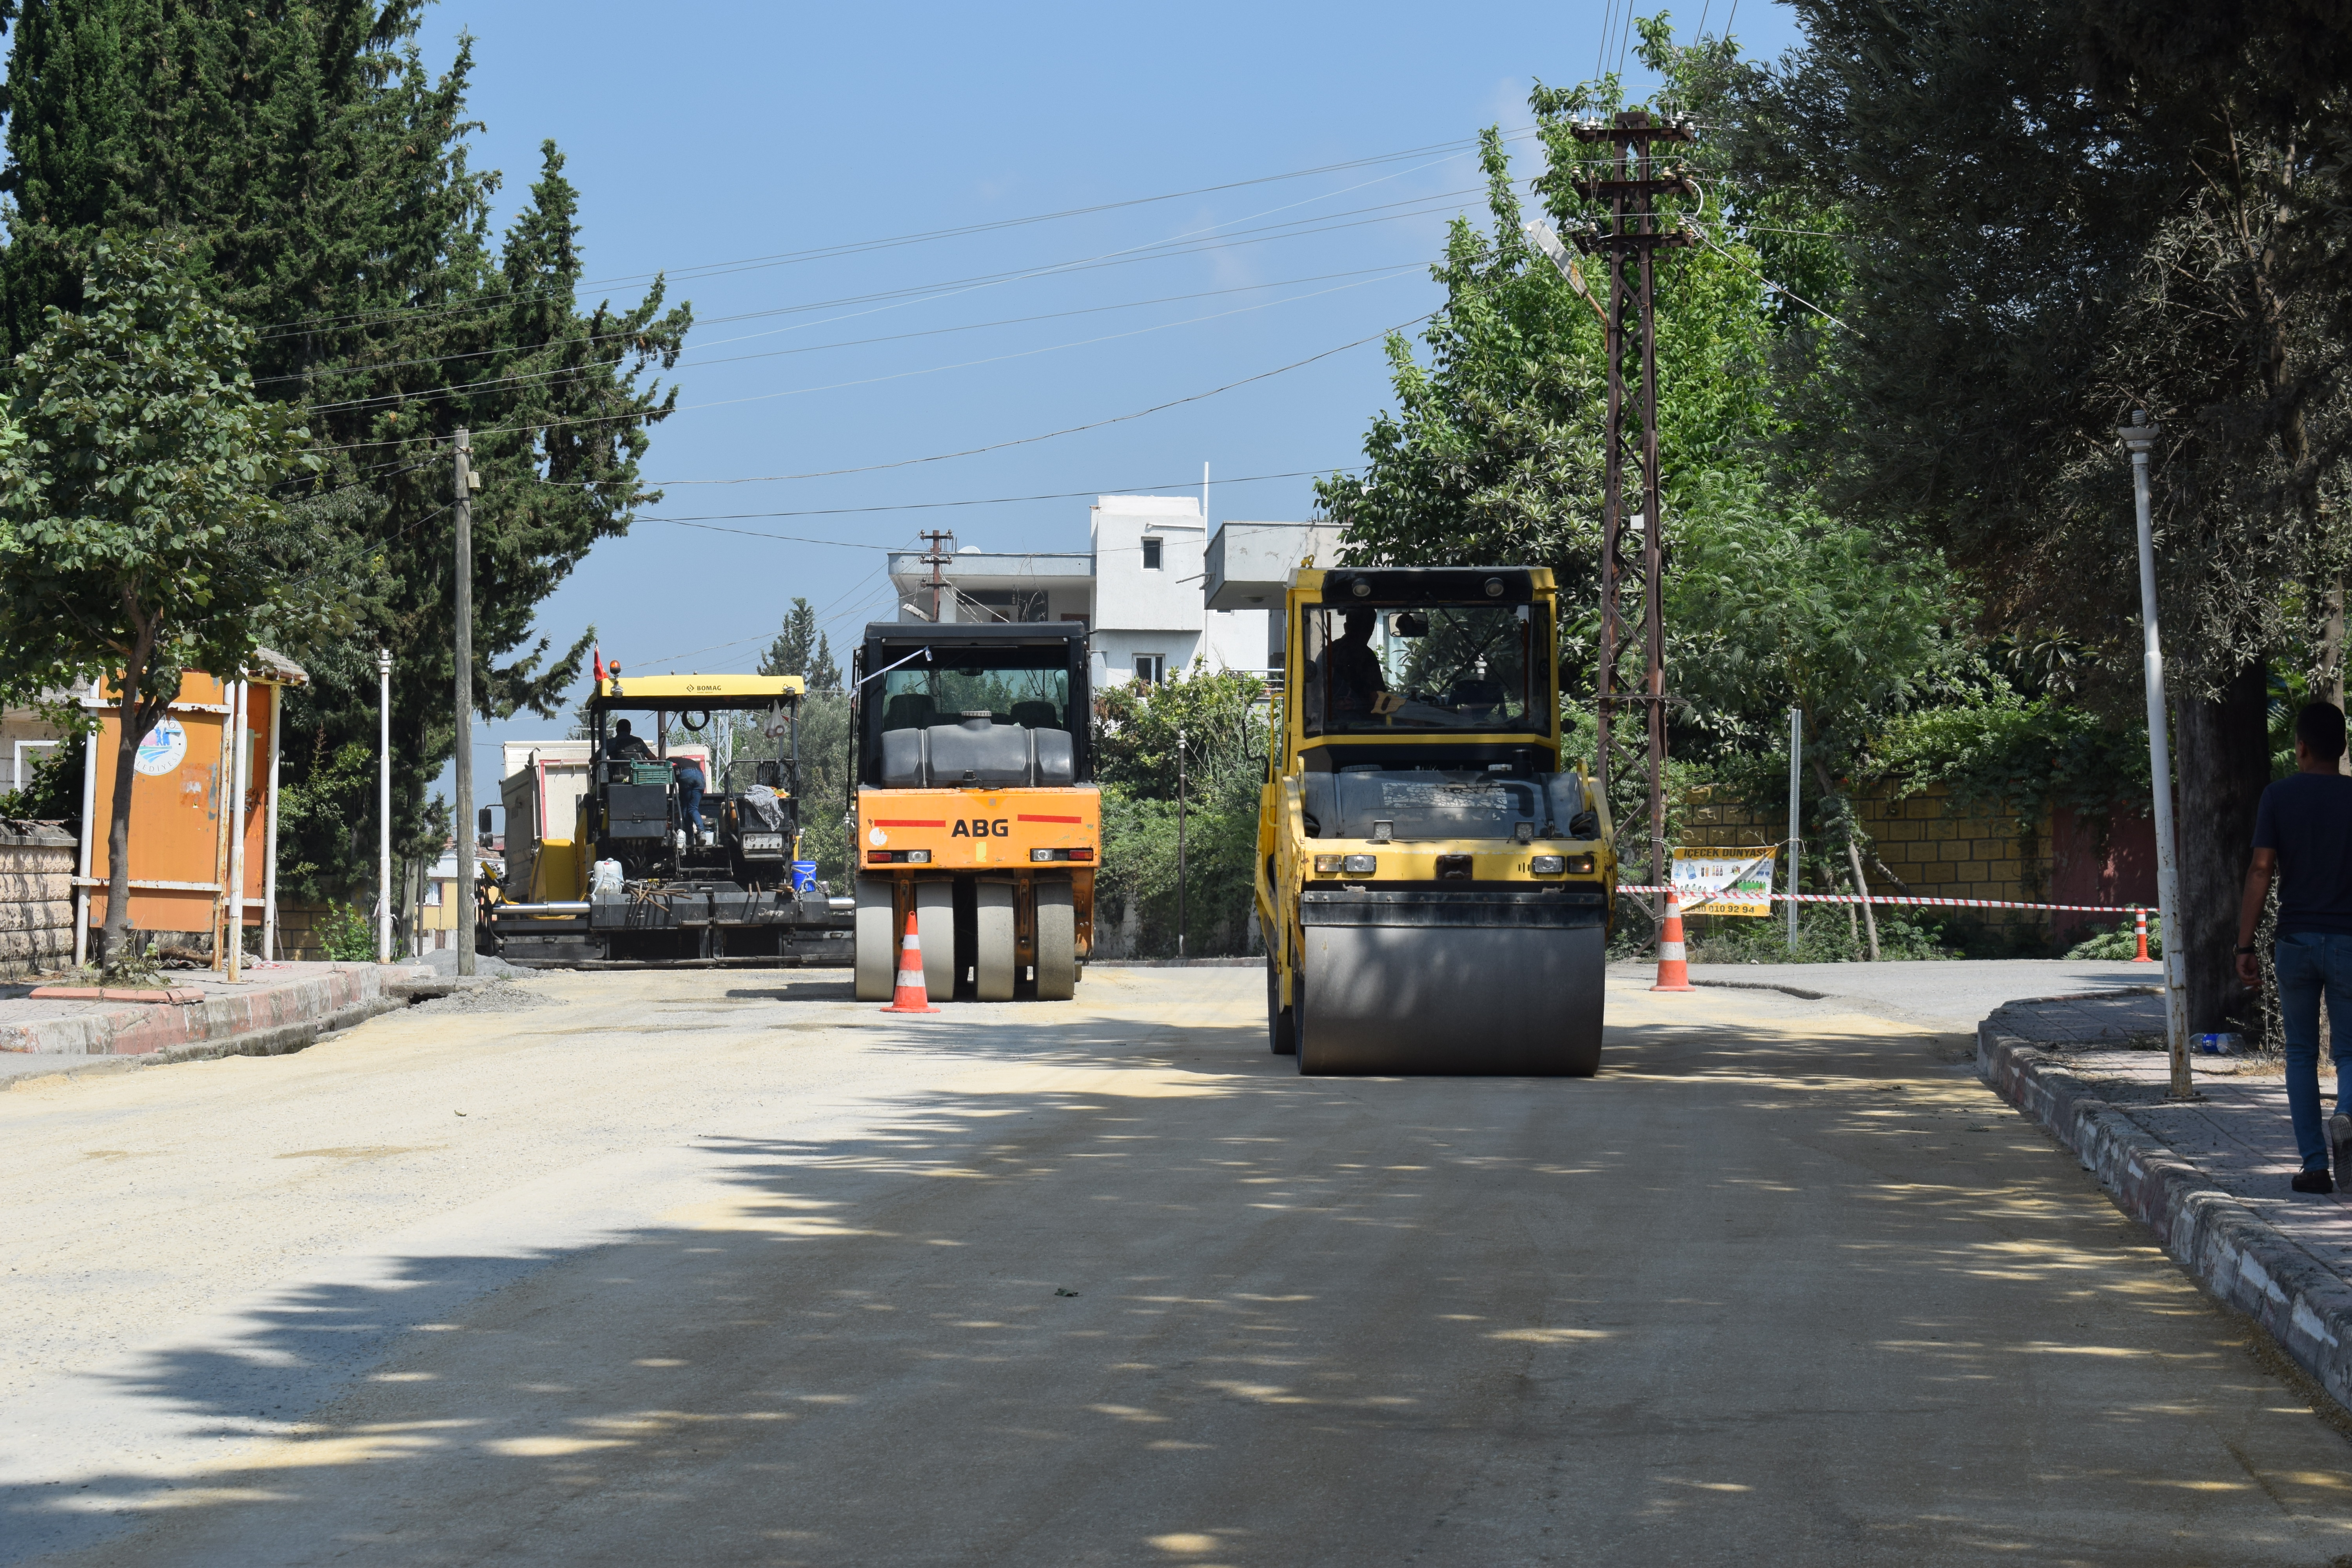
pixel 993 939
pixel 1279 1036
pixel 877 944
pixel 1057 943
pixel 935 926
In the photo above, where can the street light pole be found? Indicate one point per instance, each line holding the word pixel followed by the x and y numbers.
pixel 466 483
pixel 384 806
pixel 1796 790
pixel 2139 436
pixel 1180 842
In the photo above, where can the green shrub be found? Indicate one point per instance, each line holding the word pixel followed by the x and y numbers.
pixel 2120 943
pixel 348 936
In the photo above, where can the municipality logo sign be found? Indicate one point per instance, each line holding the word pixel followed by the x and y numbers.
pixel 165 747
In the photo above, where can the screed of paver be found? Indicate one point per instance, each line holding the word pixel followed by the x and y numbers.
pixel 1109 1284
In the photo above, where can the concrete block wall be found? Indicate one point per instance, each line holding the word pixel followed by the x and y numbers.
pixel 1936 848
pixel 37 870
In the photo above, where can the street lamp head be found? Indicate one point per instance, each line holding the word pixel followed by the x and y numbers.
pixel 2139 435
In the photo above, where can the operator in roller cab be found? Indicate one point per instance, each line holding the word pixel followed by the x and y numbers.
pixel 1436 878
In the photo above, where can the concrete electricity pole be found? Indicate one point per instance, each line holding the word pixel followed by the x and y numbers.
pixel 2139 436
pixel 467 483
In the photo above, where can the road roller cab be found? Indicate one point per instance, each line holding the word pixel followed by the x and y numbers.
pixel 974 808
pixel 1435 884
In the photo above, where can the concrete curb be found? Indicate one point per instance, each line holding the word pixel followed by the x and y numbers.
pixel 2228 1247
pixel 267 1021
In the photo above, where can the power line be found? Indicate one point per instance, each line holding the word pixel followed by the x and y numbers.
pixel 985 501
pixel 709 270
pixel 369 368
pixel 1422 205
pixel 1023 441
pixel 405 398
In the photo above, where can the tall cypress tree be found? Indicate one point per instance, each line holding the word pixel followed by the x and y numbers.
pixel 304 152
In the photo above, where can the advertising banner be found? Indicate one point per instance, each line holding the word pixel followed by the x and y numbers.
pixel 1723 882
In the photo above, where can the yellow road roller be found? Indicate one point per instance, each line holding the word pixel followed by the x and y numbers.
pixel 1435 884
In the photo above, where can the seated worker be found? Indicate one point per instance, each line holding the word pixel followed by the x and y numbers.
pixel 1355 677
pixel 691 785
pixel 624 747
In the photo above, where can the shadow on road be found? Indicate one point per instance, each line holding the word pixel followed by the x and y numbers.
pixel 1105 1296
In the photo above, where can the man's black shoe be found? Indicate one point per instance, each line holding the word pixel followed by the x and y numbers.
pixel 2313 1181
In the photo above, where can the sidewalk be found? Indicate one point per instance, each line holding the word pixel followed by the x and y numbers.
pixel 279 1008
pixel 2209 1176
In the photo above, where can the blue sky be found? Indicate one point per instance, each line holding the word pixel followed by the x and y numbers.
pixel 715 140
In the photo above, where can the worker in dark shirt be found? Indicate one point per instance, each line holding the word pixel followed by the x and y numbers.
pixel 1356 678
pixel 627 748
pixel 2302 834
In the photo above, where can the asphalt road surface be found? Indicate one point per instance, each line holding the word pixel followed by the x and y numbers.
pixel 728 1268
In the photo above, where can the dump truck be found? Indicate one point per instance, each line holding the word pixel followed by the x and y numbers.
pixel 973 807
pixel 1435 883
pixel 612 870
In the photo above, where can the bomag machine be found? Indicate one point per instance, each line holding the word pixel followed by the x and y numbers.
pixel 973 807
pixel 1435 884
pixel 607 865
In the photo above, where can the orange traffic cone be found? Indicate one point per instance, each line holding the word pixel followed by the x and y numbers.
pixel 1673 973
pixel 910 996
pixel 2139 931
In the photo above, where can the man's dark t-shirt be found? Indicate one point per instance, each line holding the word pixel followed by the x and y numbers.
pixel 2307 818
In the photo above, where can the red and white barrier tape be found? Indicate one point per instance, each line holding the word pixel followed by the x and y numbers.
pixel 1892 899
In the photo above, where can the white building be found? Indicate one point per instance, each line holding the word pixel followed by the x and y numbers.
pixel 1138 588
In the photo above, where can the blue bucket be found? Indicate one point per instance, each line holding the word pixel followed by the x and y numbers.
pixel 804 876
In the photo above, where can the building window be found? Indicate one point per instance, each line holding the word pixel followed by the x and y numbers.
pixel 1152 555
pixel 1150 668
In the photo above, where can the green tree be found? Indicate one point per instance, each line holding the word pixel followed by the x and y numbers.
pixel 139 536
pixel 318 175
pixel 1781 608
pixel 802 649
pixel 1221 722
pixel 2058 214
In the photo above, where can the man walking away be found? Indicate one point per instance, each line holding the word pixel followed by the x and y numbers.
pixel 2303 833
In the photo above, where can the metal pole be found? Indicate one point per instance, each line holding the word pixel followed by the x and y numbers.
pixel 240 783
pixel 1179 843
pixel 384 806
pixel 1654 532
pixel 2140 436
pixel 465 891
pixel 270 831
pixel 89 810
pixel 1796 788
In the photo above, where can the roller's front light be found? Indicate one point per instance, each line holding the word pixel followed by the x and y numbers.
pixel 1547 865
pixel 1327 865
pixel 1361 865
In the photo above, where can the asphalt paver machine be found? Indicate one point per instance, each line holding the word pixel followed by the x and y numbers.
pixel 974 809
pixel 1436 885
pixel 630 881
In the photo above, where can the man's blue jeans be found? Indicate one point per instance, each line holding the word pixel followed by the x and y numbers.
pixel 2308 963
pixel 690 801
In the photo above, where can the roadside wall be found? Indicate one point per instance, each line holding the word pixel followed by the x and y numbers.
pixel 36 869
pixel 1927 846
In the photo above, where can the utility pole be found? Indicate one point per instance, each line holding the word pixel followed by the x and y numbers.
pixel 1180 842
pixel 2139 436
pixel 941 552
pixel 1630 324
pixel 384 805
pixel 467 483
